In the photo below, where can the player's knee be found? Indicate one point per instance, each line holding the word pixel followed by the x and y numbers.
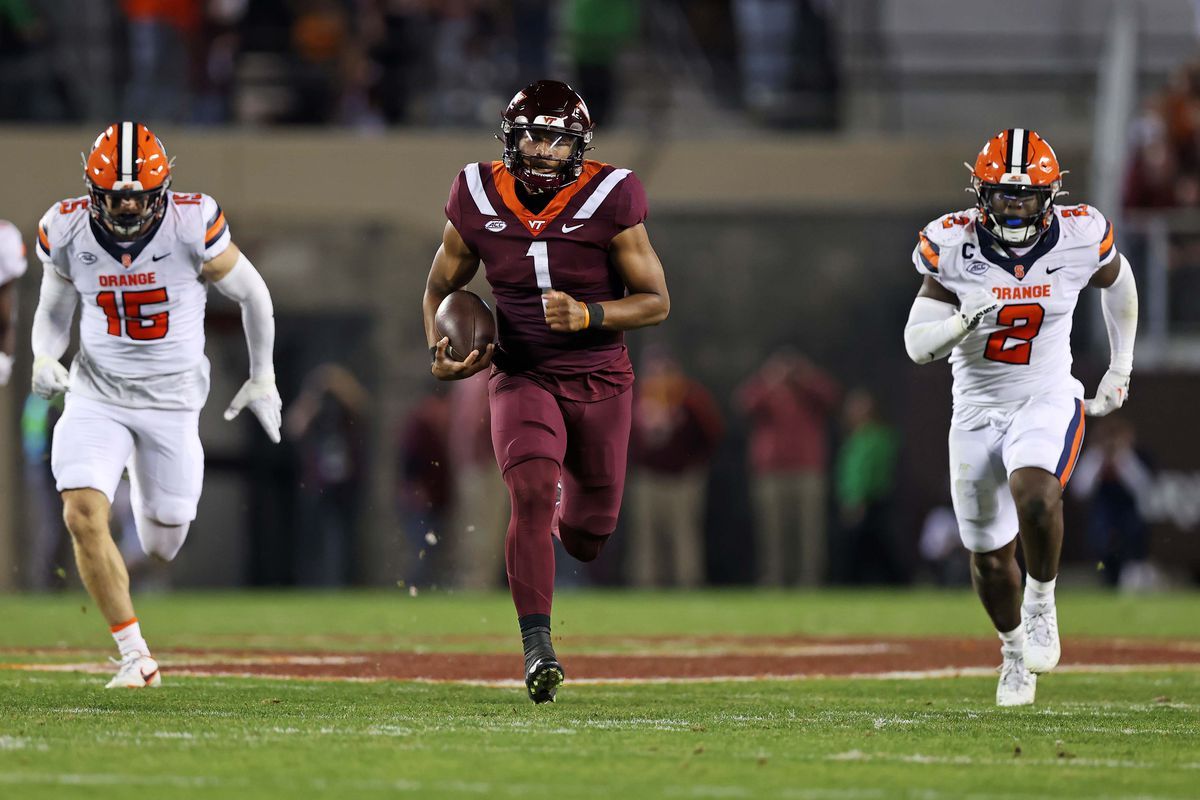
pixel 989 565
pixel 85 513
pixel 1036 504
pixel 533 482
pixel 159 539
pixel 583 545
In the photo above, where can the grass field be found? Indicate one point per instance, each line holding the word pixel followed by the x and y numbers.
pixel 1133 733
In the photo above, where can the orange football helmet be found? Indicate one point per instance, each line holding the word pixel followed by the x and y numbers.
pixel 127 175
pixel 1015 179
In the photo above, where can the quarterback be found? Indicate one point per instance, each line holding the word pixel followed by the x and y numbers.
pixel 1000 284
pixel 571 267
pixel 140 257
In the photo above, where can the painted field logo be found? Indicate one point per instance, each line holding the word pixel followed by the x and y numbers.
pixel 87 258
pixel 977 268
pixel 496 225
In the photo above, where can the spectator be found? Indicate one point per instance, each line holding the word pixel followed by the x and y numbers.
pixel 597 32
pixel 161 37
pixel 765 29
pixel 423 493
pixel 1113 476
pixel 328 424
pixel 676 429
pixel 866 472
pixel 941 548
pixel 789 402
pixel 480 509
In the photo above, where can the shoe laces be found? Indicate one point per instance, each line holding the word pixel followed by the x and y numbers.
pixel 1012 670
pixel 127 659
pixel 1039 623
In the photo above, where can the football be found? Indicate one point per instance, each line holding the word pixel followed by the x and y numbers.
pixel 467 320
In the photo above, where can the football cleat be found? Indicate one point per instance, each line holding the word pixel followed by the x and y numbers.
pixel 136 671
pixel 1042 648
pixel 543 673
pixel 1017 685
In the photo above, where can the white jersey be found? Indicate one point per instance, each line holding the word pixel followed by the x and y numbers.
pixel 1024 348
pixel 141 331
pixel 12 253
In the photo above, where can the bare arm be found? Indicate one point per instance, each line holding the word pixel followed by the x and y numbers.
pixel 647 302
pixel 932 289
pixel 454 264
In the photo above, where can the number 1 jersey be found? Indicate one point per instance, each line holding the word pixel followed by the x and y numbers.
pixel 141 328
pixel 1024 348
pixel 564 247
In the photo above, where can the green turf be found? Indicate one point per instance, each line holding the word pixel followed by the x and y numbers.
pixel 393 619
pixel 1128 735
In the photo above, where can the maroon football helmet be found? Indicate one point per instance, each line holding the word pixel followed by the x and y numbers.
pixel 554 113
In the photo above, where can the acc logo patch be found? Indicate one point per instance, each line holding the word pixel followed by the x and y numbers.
pixel 496 225
pixel 87 258
pixel 977 268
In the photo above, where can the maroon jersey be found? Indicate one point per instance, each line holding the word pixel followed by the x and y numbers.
pixel 565 247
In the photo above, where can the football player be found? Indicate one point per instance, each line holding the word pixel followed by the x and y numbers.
pixel 12 266
pixel 141 258
pixel 1000 284
pixel 564 247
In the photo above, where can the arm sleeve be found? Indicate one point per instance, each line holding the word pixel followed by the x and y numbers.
pixel 632 207
pixel 933 329
pixel 244 285
pixel 453 204
pixel 52 319
pixel 216 230
pixel 1120 304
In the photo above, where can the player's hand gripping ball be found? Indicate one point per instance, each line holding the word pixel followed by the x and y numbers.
pixel 467 336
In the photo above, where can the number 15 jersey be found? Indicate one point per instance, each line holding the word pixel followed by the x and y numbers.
pixel 564 247
pixel 141 329
pixel 1024 348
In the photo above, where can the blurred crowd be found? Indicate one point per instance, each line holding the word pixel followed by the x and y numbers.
pixel 819 460
pixel 366 64
pixel 1164 163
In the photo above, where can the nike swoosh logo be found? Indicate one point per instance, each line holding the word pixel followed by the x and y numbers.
pixel 159 258
pixel 569 228
pixel 150 677
pixel 1056 269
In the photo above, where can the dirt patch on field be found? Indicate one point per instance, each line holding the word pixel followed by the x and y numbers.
pixel 721 657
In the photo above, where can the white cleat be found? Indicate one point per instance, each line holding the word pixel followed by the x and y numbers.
pixel 1017 685
pixel 1042 648
pixel 137 671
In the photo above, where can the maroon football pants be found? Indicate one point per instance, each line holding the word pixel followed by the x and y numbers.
pixel 540 439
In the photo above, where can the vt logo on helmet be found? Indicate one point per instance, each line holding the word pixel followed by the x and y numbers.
pixel 545 130
pixel 127 175
pixel 1015 179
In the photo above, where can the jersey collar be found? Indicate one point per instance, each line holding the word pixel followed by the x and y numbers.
pixel 990 249
pixel 124 255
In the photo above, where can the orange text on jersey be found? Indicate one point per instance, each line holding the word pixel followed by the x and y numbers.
pixel 1021 292
pixel 136 279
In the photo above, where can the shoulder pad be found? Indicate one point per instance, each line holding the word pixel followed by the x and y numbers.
pixel 1082 225
pixel 950 229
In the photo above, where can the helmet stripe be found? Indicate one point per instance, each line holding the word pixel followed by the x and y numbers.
pixel 126 146
pixel 1017 144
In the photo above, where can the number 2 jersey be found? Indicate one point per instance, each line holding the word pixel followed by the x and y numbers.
pixel 1024 348
pixel 141 328
pixel 564 247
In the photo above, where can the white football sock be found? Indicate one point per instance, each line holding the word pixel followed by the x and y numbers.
pixel 1039 591
pixel 128 636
